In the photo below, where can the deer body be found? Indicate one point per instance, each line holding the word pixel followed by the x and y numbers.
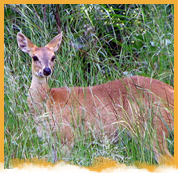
pixel 111 104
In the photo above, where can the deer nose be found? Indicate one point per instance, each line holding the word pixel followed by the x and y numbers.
pixel 46 71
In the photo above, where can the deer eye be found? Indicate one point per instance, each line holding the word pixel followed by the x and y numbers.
pixel 35 58
pixel 53 58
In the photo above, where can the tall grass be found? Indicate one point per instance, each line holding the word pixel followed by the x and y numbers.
pixel 100 43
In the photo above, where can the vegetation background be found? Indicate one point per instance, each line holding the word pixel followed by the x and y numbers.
pixel 100 43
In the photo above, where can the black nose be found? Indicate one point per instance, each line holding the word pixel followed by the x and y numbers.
pixel 46 71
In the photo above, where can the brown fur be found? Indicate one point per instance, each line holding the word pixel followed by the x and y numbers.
pixel 115 103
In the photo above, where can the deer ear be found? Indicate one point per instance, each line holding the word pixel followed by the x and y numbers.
pixel 24 43
pixel 55 43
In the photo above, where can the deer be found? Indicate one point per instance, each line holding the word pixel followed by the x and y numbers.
pixel 114 104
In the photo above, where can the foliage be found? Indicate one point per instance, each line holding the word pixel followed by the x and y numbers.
pixel 100 43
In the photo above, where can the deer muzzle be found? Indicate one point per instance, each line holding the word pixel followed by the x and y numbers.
pixel 46 71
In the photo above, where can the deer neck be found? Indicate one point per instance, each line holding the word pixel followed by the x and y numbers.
pixel 37 97
pixel 39 89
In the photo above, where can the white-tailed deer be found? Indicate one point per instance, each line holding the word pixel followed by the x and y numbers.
pixel 130 102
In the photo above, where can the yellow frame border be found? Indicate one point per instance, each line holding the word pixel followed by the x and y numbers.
pixel 80 2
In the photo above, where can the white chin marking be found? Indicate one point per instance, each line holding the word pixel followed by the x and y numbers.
pixel 40 75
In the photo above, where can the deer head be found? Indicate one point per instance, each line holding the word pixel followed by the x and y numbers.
pixel 43 57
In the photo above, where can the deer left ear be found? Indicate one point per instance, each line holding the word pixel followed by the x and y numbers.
pixel 55 43
pixel 24 43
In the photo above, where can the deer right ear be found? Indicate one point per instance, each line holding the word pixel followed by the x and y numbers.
pixel 24 43
pixel 55 43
